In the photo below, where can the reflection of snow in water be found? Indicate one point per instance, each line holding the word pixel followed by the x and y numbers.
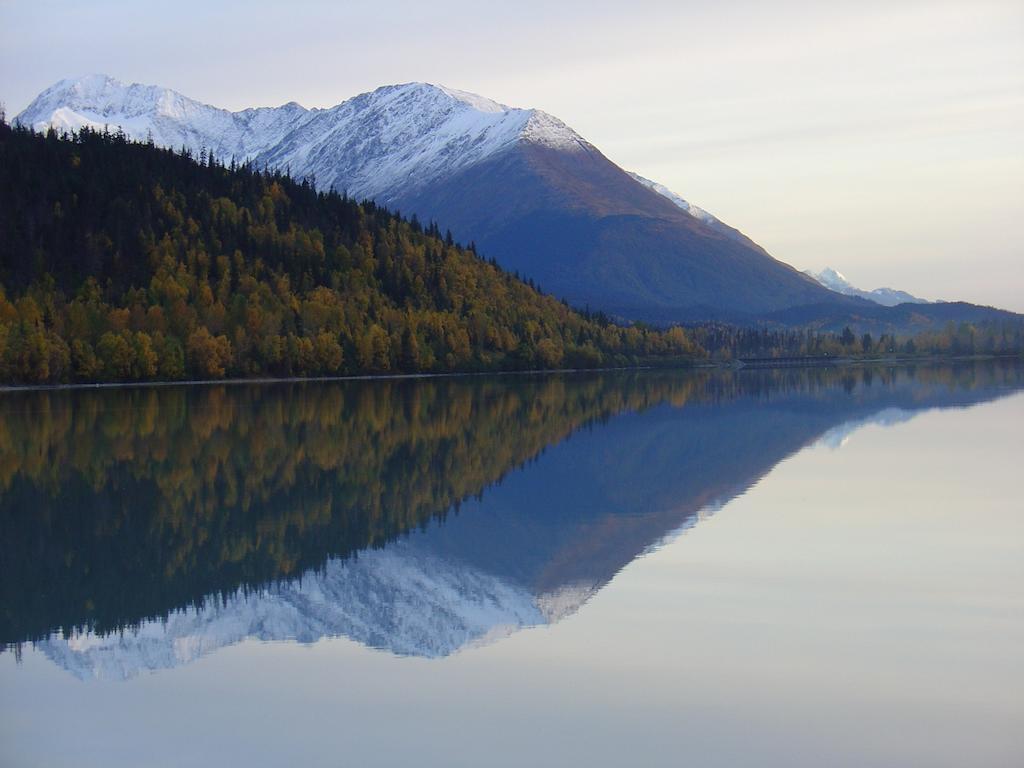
pixel 837 437
pixel 402 599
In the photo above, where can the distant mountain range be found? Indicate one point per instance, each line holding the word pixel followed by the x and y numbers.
pixel 887 297
pixel 520 183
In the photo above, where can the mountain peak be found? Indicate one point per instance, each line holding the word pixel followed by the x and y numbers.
pixel 98 101
pixel 96 91
pixel 428 96
pixel 548 131
pixel 888 297
pixel 530 125
pixel 833 275
pixel 479 103
pixel 92 83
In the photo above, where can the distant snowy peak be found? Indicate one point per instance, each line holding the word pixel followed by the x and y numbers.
pixel 832 278
pixel 888 297
pixel 378 145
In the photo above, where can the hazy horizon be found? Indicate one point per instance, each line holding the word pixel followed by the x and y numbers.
pixel 886 142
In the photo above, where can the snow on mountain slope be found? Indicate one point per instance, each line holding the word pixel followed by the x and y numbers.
pixel 690 208
pixel 397 137
pixel 839 436
pixel 695 211
pixel 167 117
pixel 377 145
pixel 403 599
pixel 887 297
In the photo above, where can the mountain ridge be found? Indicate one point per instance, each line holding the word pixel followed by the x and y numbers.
pixel 522 185
pixel 465 128
pixel 493 174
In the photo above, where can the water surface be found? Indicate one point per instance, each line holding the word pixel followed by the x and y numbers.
pixel 797 567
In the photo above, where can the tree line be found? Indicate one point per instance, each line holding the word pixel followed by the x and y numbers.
pixel 722 342
pixel 121 261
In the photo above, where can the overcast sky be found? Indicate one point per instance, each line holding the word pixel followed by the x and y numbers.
pixel 885 139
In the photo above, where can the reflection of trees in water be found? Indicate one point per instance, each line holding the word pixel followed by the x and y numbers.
pixel 118 505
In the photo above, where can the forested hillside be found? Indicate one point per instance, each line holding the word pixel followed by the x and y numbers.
pixel 122 261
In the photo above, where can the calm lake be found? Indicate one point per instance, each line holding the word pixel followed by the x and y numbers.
pixel 800 567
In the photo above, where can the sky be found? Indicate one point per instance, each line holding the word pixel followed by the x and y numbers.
pixel 884 139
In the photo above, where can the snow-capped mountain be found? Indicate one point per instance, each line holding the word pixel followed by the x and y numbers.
pixel 887 297
pixel 170 119
pixel 398 139
pixel 379 145
pixel 528 189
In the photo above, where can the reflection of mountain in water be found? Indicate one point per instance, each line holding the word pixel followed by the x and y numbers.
pixel 540 540
pixel 400 598
pixel 888 417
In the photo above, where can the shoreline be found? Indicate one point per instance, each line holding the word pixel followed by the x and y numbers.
pixel 327 379
pixel 732 365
